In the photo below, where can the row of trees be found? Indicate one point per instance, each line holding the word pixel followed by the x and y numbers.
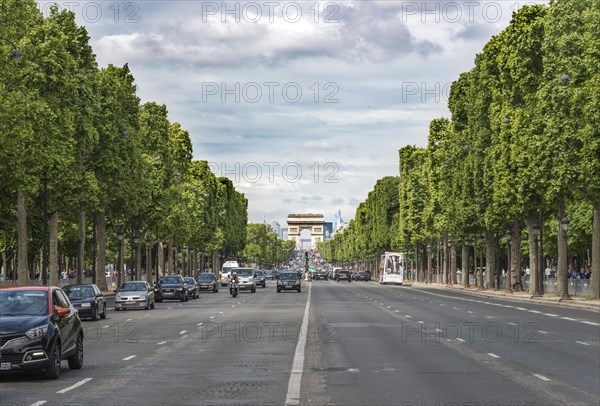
pixel 264 248
pixel 80 150
pixel 521 151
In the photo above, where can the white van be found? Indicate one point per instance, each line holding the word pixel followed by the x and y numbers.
pixel 226 271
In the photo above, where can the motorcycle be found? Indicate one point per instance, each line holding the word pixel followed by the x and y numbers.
pixel 233 289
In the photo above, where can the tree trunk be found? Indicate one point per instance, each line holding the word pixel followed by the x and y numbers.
pixel 464 266
pixel 160 271
pixel 595 282
pixel 101 253
pixel 53 252
pixel 453 261
pixel 138 261
pixel 22 260
pixel 215 263
pixel 183 262
pixel 490 255
pixel 516 257
pixel 81 246
pixel 533 256
pixel 148 258
pixel 171 260
pixel 562 250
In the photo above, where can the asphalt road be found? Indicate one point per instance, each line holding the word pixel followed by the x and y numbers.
pixel 361 344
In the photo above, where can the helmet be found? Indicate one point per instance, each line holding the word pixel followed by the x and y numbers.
pixel 234 274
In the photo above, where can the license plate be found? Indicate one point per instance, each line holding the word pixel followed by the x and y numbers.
pixel 168 293
pixel 130 302
pixel 5 366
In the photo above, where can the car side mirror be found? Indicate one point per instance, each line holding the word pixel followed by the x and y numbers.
pixel 62 311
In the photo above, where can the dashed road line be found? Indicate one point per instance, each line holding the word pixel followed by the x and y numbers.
pixel 582 343
pixel 78 384
pixel 38 403
pixel 491 354
pixel 542 377
pixel 161 343
pixel 591 323
pixel 182 332
pixel 130 357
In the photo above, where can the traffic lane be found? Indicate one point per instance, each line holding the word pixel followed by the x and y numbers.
pixel 371 353
pixel 111 344
pixel 221 362
pixel 505 333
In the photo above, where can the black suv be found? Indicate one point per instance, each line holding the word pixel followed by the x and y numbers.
pixel 321 274
pixel 289 281
pixel 343 275
pixel 39 327
pixel 171 287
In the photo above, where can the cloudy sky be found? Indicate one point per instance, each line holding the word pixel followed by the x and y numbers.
pixel 303 104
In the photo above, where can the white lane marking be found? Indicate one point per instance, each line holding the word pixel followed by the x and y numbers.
pixel 293 392
pixel 397 311
pixel 534 311
pixel 591 323
pixel 78 384
pixel 147 314
pixel 130 357
pixel 455 308
pixel 438 330
pixel 199 324
pixel 542 377
pixel 520 308
pixel 581 342
pixel 488 317
pixel 105 326
pixel 543 332
pixel 128 320
pixel 221 312
pixel 491 354
pixel 460 339
pixel 421 322
pixel 170 307
pixel 182 332
pixel 569 318
pixel 108 308
pixel 212 317
pixel 468 311
pixel 389 307
pixel 161 343
pixel 185 336
pixel 38 403
pixel 550 314
pixel 232 305
pixel 510 323
pixel 409 316
pixel 353 370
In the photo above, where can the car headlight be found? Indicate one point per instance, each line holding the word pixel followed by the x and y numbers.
pixel 179 289
pixel 142 297
pixel 86 305
pixel 118 296
pixel 37 332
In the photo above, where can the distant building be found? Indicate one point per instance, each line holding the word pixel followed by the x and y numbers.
pixel 277 228
pixel 284 233
pixel 309 223
pixel 327 230
pixel 338 221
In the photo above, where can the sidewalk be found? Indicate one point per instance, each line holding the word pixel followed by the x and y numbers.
pixel 578 302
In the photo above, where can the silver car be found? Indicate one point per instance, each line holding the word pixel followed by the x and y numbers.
pixel 134 295
pixel 246 278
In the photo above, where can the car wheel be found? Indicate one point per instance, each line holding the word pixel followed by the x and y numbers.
pixel 299 290
pixel 182 299
pixel 103 315
pixel 278 290
pixel 117 309
pixel 76 360
pixel 253 290
pixel 53 370
pixel 95 314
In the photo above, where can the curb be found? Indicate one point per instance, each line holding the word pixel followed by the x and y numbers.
pixel 554 301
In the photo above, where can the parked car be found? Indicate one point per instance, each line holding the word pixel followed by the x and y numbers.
pixel 343 275
pixel 261 279
pixel 361 276
pixel 193 287
pixel 134 295
pixel 88 300
pixel 289 281
pixel 40 328
pixel 208 281
pixel 171 287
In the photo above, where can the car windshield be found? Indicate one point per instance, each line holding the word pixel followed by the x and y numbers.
pixel 288 276
pixel 132 287
pixel 206 277
pixel 170 280
pixel 259 273
pixel 244 272
pixel 23 302
pixel 79 292
pixel 189 280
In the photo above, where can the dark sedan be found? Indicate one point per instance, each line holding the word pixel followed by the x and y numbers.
pixel 88 300
pixel 289 281
pixel 193 287
pixel 208 281
pixel 261 279
pixel 171 287
pixel 39 329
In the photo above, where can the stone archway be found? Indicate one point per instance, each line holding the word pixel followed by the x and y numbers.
pixel 311 222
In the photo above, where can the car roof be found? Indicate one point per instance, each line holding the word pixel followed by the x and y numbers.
pixel 26 287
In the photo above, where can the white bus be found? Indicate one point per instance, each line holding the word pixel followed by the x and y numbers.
pixel 391 268
pixel 226 271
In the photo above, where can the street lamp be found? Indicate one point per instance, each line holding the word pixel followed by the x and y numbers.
pixel 506 120
pixel 15 53
pixel 448 260
pixel 564 225
pixel 565 78
pixel 508 240
pixel 120 237
pixel 535 230
pixel 429 260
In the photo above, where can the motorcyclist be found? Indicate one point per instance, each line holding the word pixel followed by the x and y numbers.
pixel 234 278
